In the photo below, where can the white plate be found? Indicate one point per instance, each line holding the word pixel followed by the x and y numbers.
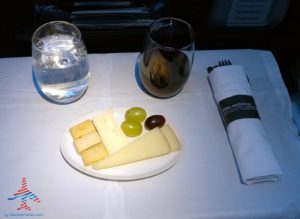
pixel 133 171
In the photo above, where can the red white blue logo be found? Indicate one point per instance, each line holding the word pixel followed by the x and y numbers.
pixel 24 195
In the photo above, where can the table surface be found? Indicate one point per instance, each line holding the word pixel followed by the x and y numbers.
pixel 204 183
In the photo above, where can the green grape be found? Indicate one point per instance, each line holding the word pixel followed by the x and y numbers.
pixel 137 114
pixel 131 128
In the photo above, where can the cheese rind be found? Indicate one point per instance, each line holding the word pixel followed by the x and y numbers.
pixel 171 137
pixel 110 132
pixel 93 154
pixel 87 141
pixel 150 145
pixel 82 128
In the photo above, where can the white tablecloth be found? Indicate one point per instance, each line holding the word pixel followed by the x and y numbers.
pixel 205 183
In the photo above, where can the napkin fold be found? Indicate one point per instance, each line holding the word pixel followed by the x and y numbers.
pixel 248 139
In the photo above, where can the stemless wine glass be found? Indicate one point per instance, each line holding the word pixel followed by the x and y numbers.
pixel 168 55
pixel 60 61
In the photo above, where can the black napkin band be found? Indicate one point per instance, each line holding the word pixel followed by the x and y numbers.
pixel 238 107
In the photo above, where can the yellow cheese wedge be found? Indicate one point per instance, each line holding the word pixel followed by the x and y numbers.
pixel 87 141
pixel 112 136
pixel 171 138
pixel 93 154
pixel 152 144
pixel 82 128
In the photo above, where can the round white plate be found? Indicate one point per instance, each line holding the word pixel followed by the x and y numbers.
pixel 133 171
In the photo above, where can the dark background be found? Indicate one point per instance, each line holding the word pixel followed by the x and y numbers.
pixel 19 19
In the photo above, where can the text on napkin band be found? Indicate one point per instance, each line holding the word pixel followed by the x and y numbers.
pixel 238 107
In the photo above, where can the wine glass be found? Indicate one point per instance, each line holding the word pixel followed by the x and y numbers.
pixel 60 62
pixel 167 58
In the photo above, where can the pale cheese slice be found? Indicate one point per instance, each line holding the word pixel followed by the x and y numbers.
pixel 82 128
pixel 87 141
pixel 93 154
pixel 110 132
pixel 150 145
pixel 171 138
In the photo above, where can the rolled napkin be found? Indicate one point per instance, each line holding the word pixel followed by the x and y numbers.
pixel 248 139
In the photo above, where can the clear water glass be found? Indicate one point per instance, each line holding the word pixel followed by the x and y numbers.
pixel 60 62
pixel 167 59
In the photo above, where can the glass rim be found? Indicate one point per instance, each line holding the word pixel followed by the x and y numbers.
pixel 189 28
pixel 52 23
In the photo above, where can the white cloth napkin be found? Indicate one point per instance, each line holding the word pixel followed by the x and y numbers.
pixel 248 139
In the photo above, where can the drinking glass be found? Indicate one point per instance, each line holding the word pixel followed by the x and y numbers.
pixel 60 62
pixel 168 55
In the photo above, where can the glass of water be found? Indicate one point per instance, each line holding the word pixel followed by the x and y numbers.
pixel 60 63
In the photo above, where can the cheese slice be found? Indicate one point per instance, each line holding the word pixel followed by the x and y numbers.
pixel 152 144
pixel 82 128
pixel 110 132
pixel 171 138
pixel 93 154
pixel 87 141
